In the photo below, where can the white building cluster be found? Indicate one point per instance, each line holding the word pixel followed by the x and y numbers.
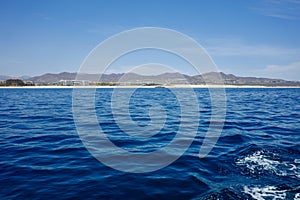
pixel 74 82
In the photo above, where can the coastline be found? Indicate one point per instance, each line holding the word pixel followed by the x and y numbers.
pixel 134 86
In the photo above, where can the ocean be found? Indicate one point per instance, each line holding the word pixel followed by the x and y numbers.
pixel 257 155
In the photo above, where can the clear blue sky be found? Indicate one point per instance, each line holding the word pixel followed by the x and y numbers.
pixel 248 38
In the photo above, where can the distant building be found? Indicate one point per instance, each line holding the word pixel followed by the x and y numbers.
pixel 74 82
pixel 65 83
pixel 29 83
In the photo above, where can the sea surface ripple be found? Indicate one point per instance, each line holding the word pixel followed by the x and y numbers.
pixel 256 157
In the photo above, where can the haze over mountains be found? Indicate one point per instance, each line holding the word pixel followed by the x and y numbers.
pixel 4 77
pixel 165 78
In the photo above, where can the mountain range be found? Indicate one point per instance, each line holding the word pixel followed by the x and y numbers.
pixel 3 77
pixel 165 78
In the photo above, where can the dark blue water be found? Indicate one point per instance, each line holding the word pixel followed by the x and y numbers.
pixel 256 157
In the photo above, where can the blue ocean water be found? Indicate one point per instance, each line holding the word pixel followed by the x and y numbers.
pixel 256 157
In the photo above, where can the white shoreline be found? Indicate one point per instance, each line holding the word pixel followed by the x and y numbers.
pixel 168 86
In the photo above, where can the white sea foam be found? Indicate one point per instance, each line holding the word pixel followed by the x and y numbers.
pixel 260 162
pixel 269 192
pixel 297 196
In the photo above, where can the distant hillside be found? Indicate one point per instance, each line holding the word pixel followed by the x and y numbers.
pixel 230 79
pixel 129 77
pixel 3 77
pixel 51 78
pixel 166 78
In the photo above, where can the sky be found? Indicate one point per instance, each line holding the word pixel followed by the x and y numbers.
pixel 245 38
